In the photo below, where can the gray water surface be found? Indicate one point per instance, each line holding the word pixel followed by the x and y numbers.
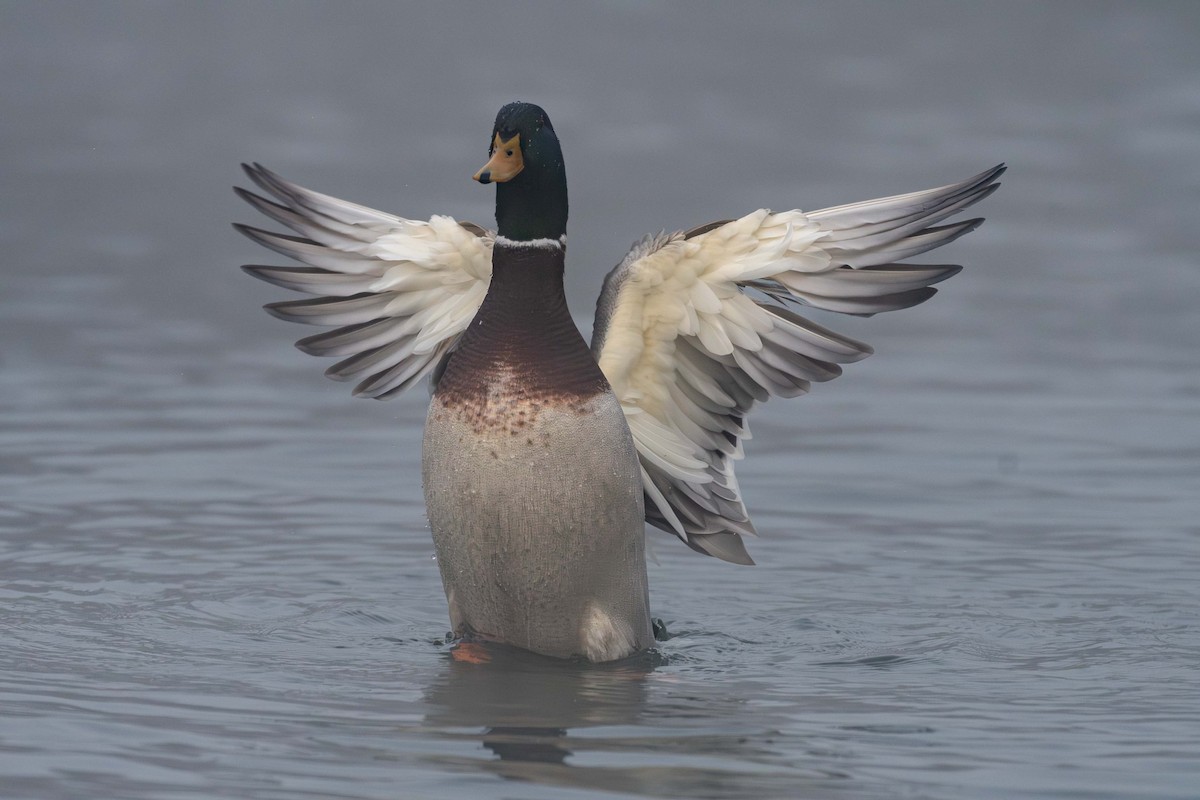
pixel 978 573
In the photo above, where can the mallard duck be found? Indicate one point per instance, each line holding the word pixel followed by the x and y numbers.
pixel 544 457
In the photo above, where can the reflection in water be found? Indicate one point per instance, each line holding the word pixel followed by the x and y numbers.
pixel 628 727
pixel 525 705
pixel 516 689
pixel 527 744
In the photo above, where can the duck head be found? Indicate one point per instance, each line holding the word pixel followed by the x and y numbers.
pixel 527 167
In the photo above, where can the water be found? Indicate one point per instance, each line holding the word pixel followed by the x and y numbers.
pixel 978 573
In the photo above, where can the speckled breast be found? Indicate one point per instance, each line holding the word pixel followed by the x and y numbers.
pixel 535 503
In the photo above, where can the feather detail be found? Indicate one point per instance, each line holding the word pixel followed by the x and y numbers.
pixel 688 352
pixel 400 292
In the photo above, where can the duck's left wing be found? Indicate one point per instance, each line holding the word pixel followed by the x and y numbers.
pixel 688 351
pixel 399 292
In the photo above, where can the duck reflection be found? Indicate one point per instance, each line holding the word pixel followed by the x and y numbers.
pixel 527 704
pixel 535 745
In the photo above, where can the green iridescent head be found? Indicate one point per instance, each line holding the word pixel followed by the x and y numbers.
pixel 526 164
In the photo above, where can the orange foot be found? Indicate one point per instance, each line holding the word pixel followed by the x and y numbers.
pixel 470 653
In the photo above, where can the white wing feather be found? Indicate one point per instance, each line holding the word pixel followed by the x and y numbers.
pixel 400 291
pixel 688 352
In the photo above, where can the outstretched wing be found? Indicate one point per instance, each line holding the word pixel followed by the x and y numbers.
pixel 688 350
pixel 400 292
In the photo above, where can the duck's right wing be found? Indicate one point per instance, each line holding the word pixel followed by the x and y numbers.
pixel 400 292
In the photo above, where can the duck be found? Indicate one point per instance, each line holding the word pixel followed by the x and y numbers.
pixel 545 456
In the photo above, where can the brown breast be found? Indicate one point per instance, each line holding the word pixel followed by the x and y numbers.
pixel 522 348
